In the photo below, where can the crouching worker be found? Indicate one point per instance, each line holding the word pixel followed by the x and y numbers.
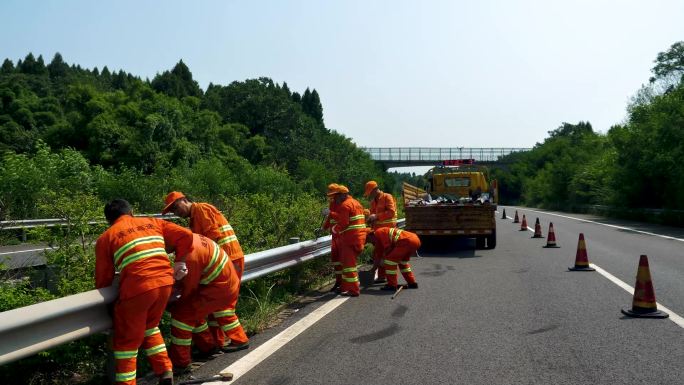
pixel 210 289
pixel 135 248
pixel 397 246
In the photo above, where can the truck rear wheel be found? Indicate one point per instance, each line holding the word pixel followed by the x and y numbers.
pixel 491 240
pixel 479 243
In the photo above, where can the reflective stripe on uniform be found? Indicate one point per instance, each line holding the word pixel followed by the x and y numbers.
pixel 180 325
pixel 136 242
pixel 390 263
pixel 353 279
pixel 200 328
pixel 224 313
pixel 224 240
pixel 213 324
pixel 217 270
pixel 391 272
pixel 155 349
pixel 231 325
pixel 181 341
pixel 349 269
pixel 357 217
pixel 406 270
pixel 394 234
pixel 354 227
pixel 225 228
pixel 157 251
pixel 125 354
pixel 214 257
pixel 126 376
pixel 152 331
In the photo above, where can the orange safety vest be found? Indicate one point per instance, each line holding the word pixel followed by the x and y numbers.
pixel 385 211
pixel 207 220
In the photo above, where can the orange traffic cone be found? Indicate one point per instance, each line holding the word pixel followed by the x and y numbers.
pixel 503 216
pixel 537 230
pixel 551 239
pixel 581 259
pixel 523 225
pixel 516 219
pixel 644 301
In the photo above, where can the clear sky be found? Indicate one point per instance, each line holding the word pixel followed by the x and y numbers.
pixel 389 73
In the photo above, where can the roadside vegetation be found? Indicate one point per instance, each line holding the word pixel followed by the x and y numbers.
pixel 73 138
pixel 637 164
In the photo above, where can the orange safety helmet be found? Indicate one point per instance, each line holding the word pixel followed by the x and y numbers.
pixel 370 186
pixel 171 198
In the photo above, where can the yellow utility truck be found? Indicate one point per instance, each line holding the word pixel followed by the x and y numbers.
pixel 457 201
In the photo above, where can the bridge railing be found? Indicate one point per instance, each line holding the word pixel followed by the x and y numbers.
pixel 436 154
pixel 31 329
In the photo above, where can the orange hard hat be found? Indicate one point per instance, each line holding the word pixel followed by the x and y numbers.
pixel 171 198
pixel 366 212
pixel 335 188
pixel 370 186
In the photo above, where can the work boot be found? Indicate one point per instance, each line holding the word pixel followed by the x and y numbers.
pixel 348 294
pixel 412 285
pixel 235 347
pixel 389 288
pixel 380 280
pixel 207 355
pixel 166 378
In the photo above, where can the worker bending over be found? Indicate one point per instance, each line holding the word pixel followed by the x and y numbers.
pixel 135 247
pixel 350 228
pixel 383 213
pixel 397 246
pixel 211 287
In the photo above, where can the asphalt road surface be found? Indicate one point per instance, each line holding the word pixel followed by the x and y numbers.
pixel 513 315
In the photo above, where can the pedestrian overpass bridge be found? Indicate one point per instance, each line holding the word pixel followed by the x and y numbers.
pixel 430 156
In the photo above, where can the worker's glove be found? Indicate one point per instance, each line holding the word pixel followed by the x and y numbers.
pixel 325 211
pixel 180 270
pixel 372 218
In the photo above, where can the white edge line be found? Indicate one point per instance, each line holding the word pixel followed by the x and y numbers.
pixel 674 317
pixel 256 356
pixel 605 224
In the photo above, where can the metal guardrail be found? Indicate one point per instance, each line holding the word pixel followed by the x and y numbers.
pixel 31 329
pixel 52 222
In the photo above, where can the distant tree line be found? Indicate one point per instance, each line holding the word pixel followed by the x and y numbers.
pixel 636 164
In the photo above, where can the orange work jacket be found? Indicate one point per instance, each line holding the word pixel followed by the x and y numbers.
pixel 385 210
pixel 386 238
pixel 207 220
pixel 136 248
pixel 207 266
pixel 350 222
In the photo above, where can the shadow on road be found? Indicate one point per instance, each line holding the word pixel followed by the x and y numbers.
pixel 448 247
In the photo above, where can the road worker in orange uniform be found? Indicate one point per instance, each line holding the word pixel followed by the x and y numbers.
pixel 210 287
pixel 207 220
pixel 397 246
pixel 135 247
pixel 350 227
pixel 383 213
pixel 334 249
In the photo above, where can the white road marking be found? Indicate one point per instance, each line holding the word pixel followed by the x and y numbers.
pixel 674 317
pixel 23 251
pixel 613 226
pixel 248 362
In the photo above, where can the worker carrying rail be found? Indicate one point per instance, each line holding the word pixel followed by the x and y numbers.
pixel 383 213
pixel 397 247
pixel 135 247
pixel 210 288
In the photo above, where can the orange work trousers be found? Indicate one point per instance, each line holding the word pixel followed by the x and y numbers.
pixel 136 322
pixel 189 322
pixel 399 257
pixel 350 277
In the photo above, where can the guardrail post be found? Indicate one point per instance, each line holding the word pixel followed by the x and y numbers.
pixel 23 234
pixel 297 271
